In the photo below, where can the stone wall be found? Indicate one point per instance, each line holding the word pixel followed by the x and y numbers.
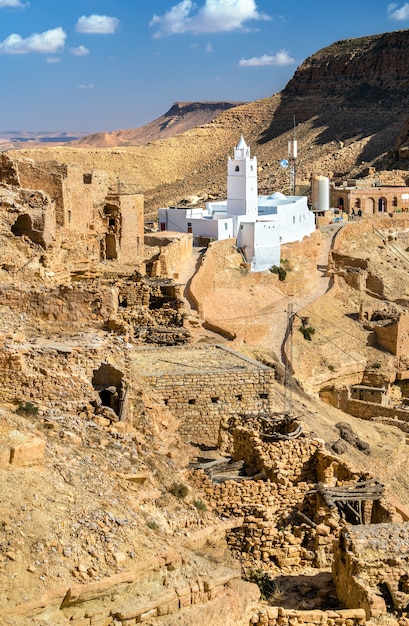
pixel 51 375
pixel 369 410
pixel 278 616
pixel 154 588
pixel 172 251
pixel 371 567
pixel 285 520
pixel 367 199
pixel 205 385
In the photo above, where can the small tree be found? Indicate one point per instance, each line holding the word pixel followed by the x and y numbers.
pixel 308 332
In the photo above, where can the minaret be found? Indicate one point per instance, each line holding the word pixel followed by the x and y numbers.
pixel 242 182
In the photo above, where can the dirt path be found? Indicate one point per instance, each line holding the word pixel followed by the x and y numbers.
pixel 272 318
pixel 280 313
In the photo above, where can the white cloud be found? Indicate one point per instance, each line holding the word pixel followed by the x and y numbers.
pixel 398 14
pixel 53 60
pixel 80 51
pixel 97 24
pixel 215 16
pixel 88 86
pixel 49 42
pixel 13 3
pixel 280 58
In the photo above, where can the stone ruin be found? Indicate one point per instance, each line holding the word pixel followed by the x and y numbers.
pixel 293 501
pixel 47 203
pixel 371 568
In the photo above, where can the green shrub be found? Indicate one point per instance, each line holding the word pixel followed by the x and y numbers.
pixel 307 331
pixel 280 271
pixel 200 505
pixel 179 490
pixel 152 524
pixel 27 408
pixel 263 581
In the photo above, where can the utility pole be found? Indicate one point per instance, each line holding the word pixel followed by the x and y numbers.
pixel 288 373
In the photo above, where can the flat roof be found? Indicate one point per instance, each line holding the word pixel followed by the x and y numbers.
pixel 179 360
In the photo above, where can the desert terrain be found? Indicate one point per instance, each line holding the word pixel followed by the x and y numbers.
pixel 104 519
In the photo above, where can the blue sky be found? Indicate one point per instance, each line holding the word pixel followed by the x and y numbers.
pixel 95 65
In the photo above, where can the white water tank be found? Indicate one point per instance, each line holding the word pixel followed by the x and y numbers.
pixel 320 193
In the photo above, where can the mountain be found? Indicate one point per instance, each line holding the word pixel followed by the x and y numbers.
pixel 346 104
pixel 182 116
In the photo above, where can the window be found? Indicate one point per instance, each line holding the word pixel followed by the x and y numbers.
pixel 263 396
pixel 191 401
pixel 293 219
pixel 226 226
pixel 237 169
pixel 395 201
pixel 87 178
pixel 215 400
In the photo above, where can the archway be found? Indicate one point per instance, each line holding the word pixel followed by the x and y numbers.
pixel 24 226
pixel 382 205
pixel 108 382
pixel 369 207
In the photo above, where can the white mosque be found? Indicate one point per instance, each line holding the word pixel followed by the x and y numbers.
pixel 259 223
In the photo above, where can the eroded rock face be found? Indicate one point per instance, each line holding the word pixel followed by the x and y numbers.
pixel 364 68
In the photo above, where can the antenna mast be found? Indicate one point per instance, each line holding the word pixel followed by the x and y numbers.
pixel 292 159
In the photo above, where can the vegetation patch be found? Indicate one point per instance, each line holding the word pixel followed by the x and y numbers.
pixel 179 490
pixel 27 408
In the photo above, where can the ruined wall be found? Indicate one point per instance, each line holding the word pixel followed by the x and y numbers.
pixel 83 196
pixel 153 588
pixel 202 400
pixel 65 304
pixel 174 251
pixel 48 179
pixel 371 567
pixel 369 410
pixel 8 171
pixel 273 529
pixel 394 337
pixel 278 616
pixel 50 376
pixel 132 226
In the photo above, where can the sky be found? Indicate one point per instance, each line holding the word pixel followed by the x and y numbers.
pixel 103 65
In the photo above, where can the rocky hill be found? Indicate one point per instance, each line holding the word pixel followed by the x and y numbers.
pixel 103 520
pixel 349 105
pixel 182 116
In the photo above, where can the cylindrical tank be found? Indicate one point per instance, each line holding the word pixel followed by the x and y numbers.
pixel 292 149
pixel 320 193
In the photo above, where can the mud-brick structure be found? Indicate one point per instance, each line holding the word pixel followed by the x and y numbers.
pixel 371 568
pixel 204 384
pixel 370 196
pixel 61 201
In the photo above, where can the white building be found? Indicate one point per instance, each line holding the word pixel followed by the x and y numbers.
pixel 259 223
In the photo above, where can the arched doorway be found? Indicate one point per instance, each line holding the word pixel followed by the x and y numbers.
pixel 108 382
pixel 369 205
pixel 382 205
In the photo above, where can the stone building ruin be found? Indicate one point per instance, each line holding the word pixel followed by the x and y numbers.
pixel 70 203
